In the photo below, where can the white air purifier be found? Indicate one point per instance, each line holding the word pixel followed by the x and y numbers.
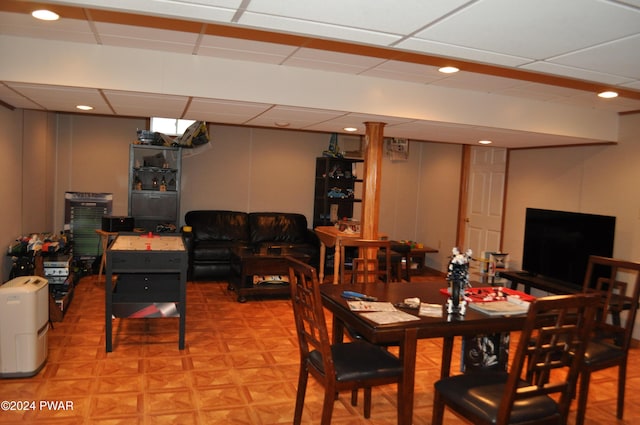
pixel 24 326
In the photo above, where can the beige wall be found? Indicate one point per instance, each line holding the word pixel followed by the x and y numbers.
pixel 438 201
pixel 10 181
pixel 93 156
pixel 254 169
pixel 45 155
pixel 251 169
pixel 596 179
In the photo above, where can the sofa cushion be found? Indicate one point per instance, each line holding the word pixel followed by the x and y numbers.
pixel 220 225
pixel 277 227
pixel 213 250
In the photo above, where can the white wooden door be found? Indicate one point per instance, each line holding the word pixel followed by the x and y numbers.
pixel 487 171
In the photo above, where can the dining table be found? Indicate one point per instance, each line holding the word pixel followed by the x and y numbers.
pixel 405 334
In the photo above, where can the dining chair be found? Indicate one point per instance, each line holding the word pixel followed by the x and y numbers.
pixel 613 331
pixel 560 326
pixel 340 366
pixel 365 266
pixel 366 261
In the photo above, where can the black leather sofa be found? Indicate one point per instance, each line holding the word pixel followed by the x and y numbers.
pixel 214 233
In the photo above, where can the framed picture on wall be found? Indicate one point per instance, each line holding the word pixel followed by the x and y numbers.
pixel 352 146
pixel 397 149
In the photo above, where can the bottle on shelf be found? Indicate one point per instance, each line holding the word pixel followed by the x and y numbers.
pixel 163 185
pixel 137 183
pixel 154 183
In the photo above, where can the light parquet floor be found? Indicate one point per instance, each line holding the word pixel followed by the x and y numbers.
pixel 239 366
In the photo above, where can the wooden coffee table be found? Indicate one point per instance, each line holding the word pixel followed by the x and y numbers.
pixel 268 262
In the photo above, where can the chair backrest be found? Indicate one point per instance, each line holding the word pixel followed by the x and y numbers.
pixel 554 338
pixel 366 268
pixel 308 314
pixel 619 290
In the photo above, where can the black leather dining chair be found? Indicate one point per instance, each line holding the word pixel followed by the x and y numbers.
pixel 371 262
pixel 619 290
pixel 340 366
pixel 560 326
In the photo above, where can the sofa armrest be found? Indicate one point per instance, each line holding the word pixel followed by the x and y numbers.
pixel 187 237
pixel 312 238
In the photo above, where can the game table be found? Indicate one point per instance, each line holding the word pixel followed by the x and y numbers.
pixel 146 276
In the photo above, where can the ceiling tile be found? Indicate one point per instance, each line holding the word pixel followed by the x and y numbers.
pixel 212 10
pixel 224 111
pixel 354 120
pixel 22 25
pixel 146 105
pixel 59 98
pixel 572 72
pixel 454 51
pixel 297 26
pixel 608 58
pixel 146 38
pixel 508 27
pixel 397 70
pixel 15 99
pixel 477 82
pixel 233 48
pixel 297 118
pixel 332 61
pixel 384 16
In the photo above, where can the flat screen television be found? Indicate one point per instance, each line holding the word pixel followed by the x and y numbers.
pixel 557 244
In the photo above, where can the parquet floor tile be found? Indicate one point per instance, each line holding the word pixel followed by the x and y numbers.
pixel 239 366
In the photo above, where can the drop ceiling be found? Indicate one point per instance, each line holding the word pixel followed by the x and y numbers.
pixel 530 69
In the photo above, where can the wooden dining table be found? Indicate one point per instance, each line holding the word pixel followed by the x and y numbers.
pixel 406 334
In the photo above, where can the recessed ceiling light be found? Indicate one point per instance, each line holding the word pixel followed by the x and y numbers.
pixel 350 129
pixel 84 107
pixel 45 15
pixel 448 69
pixel 608 94
pixel 485 142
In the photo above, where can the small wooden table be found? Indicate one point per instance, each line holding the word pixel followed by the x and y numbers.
pixel 416 256
pixel 105 238
pixel 330 237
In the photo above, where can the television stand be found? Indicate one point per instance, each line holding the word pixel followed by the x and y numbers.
pixel 529 281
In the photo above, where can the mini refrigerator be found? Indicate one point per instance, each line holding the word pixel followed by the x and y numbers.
pixel 24 325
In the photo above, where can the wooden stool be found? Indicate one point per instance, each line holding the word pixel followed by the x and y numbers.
pixel 105 238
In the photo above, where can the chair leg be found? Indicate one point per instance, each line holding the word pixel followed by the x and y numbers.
pixel 303 377
pixel 327 405
pixel 354 397
pixel 367 402
pixel 583 395
pixel 437 416
pixel 622 374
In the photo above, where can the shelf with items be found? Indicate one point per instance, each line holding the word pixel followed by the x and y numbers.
pixel 154 179
pixel 337 189
pixel 154 186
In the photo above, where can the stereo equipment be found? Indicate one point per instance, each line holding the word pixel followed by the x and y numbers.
pixel 117 224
